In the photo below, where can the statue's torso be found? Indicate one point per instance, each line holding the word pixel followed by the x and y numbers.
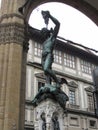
pixel 48 46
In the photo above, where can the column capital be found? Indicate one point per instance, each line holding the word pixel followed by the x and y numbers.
pixel 11 33
pixel 11 16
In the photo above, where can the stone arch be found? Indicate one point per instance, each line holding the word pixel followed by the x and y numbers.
pixel 82 6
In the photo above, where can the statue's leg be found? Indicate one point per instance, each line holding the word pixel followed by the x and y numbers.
pixel 47 67
pixel 48 79
pixel 62 98
pixel 44 65
pixel 34 101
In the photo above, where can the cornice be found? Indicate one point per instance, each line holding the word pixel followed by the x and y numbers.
pixel 73 84
pixel 72 111
pixel 67 46
pixel 81 112
pixel 38 65
pixel 89 89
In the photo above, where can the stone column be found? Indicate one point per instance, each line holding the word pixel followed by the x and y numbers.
pixel 12 66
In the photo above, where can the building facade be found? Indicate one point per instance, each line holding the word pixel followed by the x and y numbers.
pixel 75 64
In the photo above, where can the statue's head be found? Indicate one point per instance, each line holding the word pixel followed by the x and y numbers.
pixel 45 33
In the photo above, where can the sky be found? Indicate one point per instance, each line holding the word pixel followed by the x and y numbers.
pixel 74 25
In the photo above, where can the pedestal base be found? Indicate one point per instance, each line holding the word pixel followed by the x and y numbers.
pixel 48 114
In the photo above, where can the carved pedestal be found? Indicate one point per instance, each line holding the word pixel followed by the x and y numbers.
pixel 46 113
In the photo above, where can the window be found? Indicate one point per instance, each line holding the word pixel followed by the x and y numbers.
pixel 74 121
pixel 57 56
pixel 40 84
pixel 38 49
pixel 92 124
pixel 90 103
pixel 69 61
pixel 87 67
pixel 72 97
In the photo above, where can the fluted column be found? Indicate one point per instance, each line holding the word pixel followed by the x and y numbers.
pixel 12 66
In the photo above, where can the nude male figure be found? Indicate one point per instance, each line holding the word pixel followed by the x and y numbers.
pixel 48 47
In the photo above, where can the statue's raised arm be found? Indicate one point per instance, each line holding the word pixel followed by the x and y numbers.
pixel 46 16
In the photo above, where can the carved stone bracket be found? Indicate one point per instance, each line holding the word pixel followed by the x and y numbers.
pixel 11 33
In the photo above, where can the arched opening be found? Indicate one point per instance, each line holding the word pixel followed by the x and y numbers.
pixel 37 50
pixel 82 6
pixel 75 26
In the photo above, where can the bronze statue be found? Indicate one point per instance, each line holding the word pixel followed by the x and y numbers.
pixel 50 91
pixel 49 37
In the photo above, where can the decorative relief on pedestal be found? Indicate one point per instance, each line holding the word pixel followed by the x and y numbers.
pixel 11 33
pixel 43 117
pixel 51 112
pixel 56 125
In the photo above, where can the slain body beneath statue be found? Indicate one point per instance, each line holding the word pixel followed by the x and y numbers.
pixel 52 92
